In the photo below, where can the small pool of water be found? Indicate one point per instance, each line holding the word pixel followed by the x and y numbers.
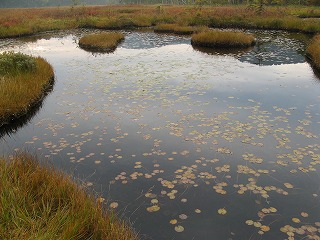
pixel 190 143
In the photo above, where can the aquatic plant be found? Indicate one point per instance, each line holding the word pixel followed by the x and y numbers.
pixel 102 42
pixel 40 201
pixel 313 51
pixel 215 38
pixel 23 82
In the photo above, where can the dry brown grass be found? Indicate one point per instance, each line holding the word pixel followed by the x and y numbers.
pixel 215 38
pixel 313 51
pixel 19 92
pixel 102 42
pixel 39 202
pixel 17 22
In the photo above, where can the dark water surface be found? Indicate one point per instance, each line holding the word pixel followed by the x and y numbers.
pixel 190 143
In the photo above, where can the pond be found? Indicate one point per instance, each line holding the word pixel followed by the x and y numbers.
pixel 184 143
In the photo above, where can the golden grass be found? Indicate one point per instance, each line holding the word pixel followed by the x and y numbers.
pixel 104 42
pixel 165 28
pixel 39 202
pixel 313 51
pixel 19 92
pixel 17 22
pixel 215 38
pixel 183 30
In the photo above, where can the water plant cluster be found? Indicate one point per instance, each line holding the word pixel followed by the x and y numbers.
pixel 102 42
pixel 23 81
pixel 40 202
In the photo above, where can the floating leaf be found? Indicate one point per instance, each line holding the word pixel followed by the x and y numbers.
pixel 288 185
pixel 179 228
pixel 222 211
pixel 296 220
pixel 173 221
pixel 114 205
pixel 154 208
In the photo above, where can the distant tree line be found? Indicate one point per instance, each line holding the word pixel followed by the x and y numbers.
pixel 48 3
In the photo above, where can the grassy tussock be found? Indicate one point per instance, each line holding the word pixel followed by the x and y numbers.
pixel 20 89
pixel 165 28
pixel 183 30
pixel 101 41
pixel 313 51
pixel 39 202
pixel 174 28
pixel 215 38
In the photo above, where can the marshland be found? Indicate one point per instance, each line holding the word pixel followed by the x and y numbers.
pixel 162 138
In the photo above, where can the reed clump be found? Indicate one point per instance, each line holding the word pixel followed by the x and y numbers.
pixel 23 82
pixel 183 30
pixel 40 202
pixel 223 39
pixel 101 42
pixel 313 51
pixel 165 28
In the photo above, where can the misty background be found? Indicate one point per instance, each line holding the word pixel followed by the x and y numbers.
pixel 48 3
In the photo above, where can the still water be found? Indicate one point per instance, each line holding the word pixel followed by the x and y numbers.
pixel 184 143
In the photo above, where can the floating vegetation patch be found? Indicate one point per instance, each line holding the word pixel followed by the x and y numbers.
pixel 24 81
pixel 101 42
pixel 223 39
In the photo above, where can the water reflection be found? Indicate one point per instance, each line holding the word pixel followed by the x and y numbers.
pixel 11 127
pixel 235 52
pixel 174 135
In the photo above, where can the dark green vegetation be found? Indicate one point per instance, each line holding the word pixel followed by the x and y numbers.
pixel 101 42
pixel 39 202
pixel 23 82
pixel 224 39
pixel 313 51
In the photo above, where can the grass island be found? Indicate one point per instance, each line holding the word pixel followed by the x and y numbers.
pixel 223 39
pixel 101 42
pixel 23 82
pixel 313 51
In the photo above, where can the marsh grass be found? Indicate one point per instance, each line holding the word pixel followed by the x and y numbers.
pixel 40 202
pixel 313 51
pixel 18 22
pixel 101 42
pixel 165 28
pixel 183 30
pixel 23 82
pixel 224 39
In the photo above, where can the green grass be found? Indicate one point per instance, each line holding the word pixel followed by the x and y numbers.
pixel 224 39
pixel 313 51
pixel 102 42
pixel 23 81
pixel 40 203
